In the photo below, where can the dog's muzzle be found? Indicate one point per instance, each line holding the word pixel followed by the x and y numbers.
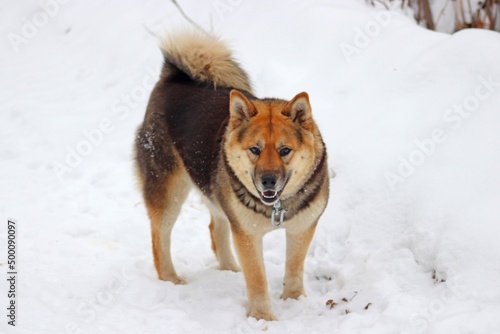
pixel 268 189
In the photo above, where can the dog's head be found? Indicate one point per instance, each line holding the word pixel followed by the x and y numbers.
pixel 271 144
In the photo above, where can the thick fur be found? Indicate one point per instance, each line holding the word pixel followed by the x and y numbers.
pixel 205 59
pixel 204 129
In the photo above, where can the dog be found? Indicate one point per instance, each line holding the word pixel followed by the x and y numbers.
pixel 260 164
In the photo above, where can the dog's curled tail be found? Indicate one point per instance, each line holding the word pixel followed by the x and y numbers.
pixel 204 59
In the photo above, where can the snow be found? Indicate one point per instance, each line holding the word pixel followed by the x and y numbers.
pixel 409 242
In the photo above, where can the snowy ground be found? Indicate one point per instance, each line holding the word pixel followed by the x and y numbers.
pixel 410 242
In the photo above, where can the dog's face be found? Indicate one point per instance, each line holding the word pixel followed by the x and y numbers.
pixel 270 145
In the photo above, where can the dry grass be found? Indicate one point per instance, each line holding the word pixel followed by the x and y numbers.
pixel 467 13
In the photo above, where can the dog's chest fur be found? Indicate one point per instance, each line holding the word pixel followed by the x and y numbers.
pixel 243 208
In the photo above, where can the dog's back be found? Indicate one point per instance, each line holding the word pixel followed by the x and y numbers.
pixel 197 68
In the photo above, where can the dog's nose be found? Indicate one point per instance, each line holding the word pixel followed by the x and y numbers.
pixel 268 181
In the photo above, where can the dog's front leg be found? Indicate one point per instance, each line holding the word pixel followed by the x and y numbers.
pixel 297 244
pixel 249 249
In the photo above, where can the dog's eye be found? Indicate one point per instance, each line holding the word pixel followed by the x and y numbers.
pixel 285 151
pixel 255 150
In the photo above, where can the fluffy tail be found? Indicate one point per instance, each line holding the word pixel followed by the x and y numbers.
pixel 204 59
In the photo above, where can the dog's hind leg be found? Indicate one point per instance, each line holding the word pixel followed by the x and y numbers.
pixel 220 233
pixel 164 203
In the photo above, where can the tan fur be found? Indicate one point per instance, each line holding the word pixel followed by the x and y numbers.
pixel 249 249
pixel 220 230
pixel 297 245
pixel 206 59
pixel 163 211
pixel 304 155
pixel 249 226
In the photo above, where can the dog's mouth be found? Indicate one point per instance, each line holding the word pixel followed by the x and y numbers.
pixel 269 197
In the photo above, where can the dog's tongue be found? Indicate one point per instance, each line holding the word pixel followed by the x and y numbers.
pixel 269 194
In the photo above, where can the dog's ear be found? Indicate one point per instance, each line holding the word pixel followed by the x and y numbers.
pixel 299 110
pixel 240 108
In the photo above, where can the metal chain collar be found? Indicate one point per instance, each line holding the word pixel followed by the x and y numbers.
pixel 277 211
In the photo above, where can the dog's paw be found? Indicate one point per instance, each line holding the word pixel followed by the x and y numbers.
pixel 292 294
pixel 174 279
pixel 268 316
